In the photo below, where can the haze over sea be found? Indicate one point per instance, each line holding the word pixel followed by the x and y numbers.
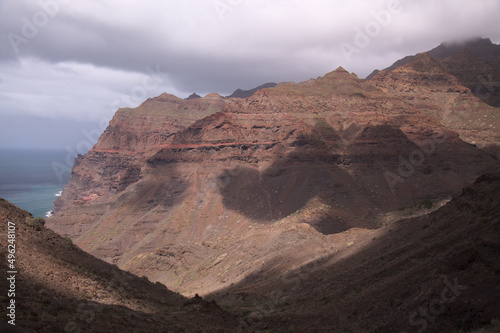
pixel 28 179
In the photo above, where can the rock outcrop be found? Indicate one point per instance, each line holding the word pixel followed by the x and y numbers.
pixel 193 96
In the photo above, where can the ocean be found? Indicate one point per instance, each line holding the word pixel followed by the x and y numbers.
pixel 33 179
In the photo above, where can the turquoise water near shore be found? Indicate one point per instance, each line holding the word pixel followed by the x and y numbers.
pixel 32 179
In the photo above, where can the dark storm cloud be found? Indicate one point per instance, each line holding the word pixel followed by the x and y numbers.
pixel 204 46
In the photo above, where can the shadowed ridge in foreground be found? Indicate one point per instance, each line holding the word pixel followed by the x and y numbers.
pixel 60 288
pixel 436 273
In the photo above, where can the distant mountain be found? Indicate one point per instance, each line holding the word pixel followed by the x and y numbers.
pixel 476 63
pixel 482 47
pixel 239 93
pixel 193 96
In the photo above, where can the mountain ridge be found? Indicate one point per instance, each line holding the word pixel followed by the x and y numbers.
pixel 457 57
pixel 337 141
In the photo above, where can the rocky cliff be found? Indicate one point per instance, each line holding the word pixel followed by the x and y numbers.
pixel 132 135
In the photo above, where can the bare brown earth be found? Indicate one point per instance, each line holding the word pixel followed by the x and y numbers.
pixel 242 196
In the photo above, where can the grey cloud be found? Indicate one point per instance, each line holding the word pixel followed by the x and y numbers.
pixel 199 49
pixel 254 43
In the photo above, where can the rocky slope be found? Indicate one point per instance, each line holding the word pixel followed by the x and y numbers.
pixel 60 288
pixel 476 64
pixel 426 85
pixel 267 177
pixel 436 273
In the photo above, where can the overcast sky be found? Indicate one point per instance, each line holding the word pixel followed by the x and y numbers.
pixel 67 65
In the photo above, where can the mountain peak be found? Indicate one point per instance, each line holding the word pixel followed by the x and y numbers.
pixel 240 93
pixel 467 43
pixel 193 96
pixel 482 47
pixel 338 73
pixel 165 97
pixel 422 62
pixel 213 95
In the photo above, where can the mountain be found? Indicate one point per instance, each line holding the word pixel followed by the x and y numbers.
pixel 239 93
pixel 333 154
pixel 60 288
pixel 425 84
pixel 483 48
pixel 133 135
pixel 284 206
pixel 476 63
pixel 193 96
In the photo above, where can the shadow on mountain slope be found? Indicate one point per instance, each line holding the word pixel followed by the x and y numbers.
pixel 438 273
pixel 343 180
pixel 311 171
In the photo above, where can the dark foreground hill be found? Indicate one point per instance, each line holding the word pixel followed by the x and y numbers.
pixel 60 288
pixel 435 273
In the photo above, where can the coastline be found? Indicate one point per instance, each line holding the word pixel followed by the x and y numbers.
pixel 28 180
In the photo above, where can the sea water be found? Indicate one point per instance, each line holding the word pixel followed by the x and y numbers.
pixel 33 179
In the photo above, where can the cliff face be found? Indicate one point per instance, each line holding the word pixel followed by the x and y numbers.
pixel 132 135
pixel 174 196
pixel 153 123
